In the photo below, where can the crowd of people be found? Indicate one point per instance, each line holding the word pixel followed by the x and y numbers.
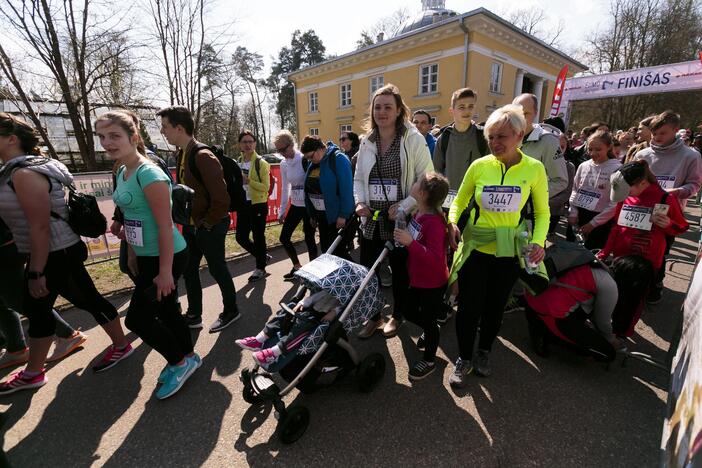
pixel 481 202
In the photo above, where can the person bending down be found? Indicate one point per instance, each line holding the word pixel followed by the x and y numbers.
pixel 308 314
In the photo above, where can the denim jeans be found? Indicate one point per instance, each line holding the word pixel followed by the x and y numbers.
pixel 209 244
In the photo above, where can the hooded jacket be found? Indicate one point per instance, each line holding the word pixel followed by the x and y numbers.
pixel 677 161
pixel 62 236
pixel 336 185
pixel 543 145
pixel 462 149
pixel 414 158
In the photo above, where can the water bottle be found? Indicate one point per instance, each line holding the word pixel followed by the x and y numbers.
pixel 400 222
pixel 579 237
pixel 529 266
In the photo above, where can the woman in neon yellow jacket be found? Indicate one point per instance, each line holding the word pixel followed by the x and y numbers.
pixel 495 189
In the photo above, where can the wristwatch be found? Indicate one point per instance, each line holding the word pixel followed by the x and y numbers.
pixel 34 275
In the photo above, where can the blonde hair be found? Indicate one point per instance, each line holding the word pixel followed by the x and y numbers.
pixel 286 136
pixel 511 114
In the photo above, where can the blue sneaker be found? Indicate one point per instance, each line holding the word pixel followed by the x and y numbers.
pixel 175 378
pixel 162 376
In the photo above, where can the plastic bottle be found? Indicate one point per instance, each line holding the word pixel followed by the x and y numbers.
pixel 400 222
pixel 529 266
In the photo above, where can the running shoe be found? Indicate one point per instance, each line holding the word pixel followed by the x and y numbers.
pixel 65 346
pixel 112 356
pixel 481 363
pixel 224 320
pixel 390 328
pixel 250 343
pixel 193 321
pixel 175 378
pixel 461 370
pixel 14 359
pixel 370 327
pixel 290 275
pixel 164 373
pixel 258 274
pixel 421 369
pixel 265 357
pixel 20 381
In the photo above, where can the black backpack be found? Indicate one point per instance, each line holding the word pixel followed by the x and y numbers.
pixel 84 215
pixel 231 172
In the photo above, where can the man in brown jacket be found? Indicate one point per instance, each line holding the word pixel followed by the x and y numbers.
pixel 209 220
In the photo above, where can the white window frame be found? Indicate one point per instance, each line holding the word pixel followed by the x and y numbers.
pixel 314 131
pixel 428 71
pixel 375 83
pixel 313 101
pixel 345 95
pixel 344 128
pixel 496 81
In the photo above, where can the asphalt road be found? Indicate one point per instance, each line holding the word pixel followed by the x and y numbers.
pixel 563 411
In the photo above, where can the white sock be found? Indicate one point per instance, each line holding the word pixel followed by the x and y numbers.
pixel 276 350
pixel 261 337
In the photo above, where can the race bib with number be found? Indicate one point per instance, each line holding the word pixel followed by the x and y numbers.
pixel 501 198
pixel 587 199
pixel 415 229
pixel 246 190
pixel 666 182
pixel 449 199
pixel 297 193
pixel 638 217
pixel 317 201
pixel 134 232
pixel 380 189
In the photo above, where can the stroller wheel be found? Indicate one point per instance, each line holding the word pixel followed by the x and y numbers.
pixel 370 371
pixel 293 424
pixel 250 396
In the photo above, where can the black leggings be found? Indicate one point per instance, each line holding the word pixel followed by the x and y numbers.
pixel 293 217
pixel 327 236
pixel 370 250
pixel 597 237
pixel 65 275
pixel 484 286
pixel 159 324
pixel 252 220
pixel 574 328
pixel 423 305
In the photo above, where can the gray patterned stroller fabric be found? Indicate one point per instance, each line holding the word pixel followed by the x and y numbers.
pixel 340 278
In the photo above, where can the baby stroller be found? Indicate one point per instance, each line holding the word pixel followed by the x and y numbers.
pixel 326 354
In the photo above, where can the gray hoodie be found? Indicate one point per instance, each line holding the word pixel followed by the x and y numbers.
pixel 62 236
pixel 542 144
pixel 676 166
pixel 461 151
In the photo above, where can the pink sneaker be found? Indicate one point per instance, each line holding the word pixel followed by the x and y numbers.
pixel 19 381
pixel 250 343
pixel 112 356
pixel 265 357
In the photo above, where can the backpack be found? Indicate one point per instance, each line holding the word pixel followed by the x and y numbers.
pixel 231 172
pixel 271 179
pixel 482 143
pixel 182 198
pixel 84 216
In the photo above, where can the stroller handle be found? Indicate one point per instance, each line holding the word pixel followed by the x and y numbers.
pixel 346 233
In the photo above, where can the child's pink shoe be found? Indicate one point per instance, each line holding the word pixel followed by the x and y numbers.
pixel 265 357
pixel 250 343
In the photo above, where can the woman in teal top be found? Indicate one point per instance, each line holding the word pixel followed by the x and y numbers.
pixel 157 251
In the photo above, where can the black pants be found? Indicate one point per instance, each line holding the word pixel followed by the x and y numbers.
pixel 159 323
pixel 597 237
pixel 575 328
pixel 293 329
pixel 293 217
pixel 327 235
pixel 209 244
pixel 660 274
pixel 370 250
pixel 423 306
pixel 484 286
pixel 65 275
pixel 252 220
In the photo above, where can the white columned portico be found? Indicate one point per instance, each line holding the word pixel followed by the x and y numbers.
pixel 538 92
pixel 519 82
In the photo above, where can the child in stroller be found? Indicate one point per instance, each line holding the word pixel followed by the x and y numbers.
pixel 291 325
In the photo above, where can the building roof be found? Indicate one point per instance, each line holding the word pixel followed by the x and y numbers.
pixel 458 19
pixel 425 18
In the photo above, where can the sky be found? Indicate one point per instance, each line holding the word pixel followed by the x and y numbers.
pixel 265 26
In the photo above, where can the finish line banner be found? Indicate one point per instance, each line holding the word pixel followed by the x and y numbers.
pixel 684 76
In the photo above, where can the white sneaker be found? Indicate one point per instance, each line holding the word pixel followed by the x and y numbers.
pixel 65 346
pixel 13 359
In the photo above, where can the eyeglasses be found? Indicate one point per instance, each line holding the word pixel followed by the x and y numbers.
pixel 283 150
pixel 343 138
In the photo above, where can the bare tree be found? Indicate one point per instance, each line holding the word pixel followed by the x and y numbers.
pixel 248 66
pixel 389 25
pixel 66 37
pixel 536 22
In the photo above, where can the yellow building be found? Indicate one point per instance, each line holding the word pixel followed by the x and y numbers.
pixel 433 55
